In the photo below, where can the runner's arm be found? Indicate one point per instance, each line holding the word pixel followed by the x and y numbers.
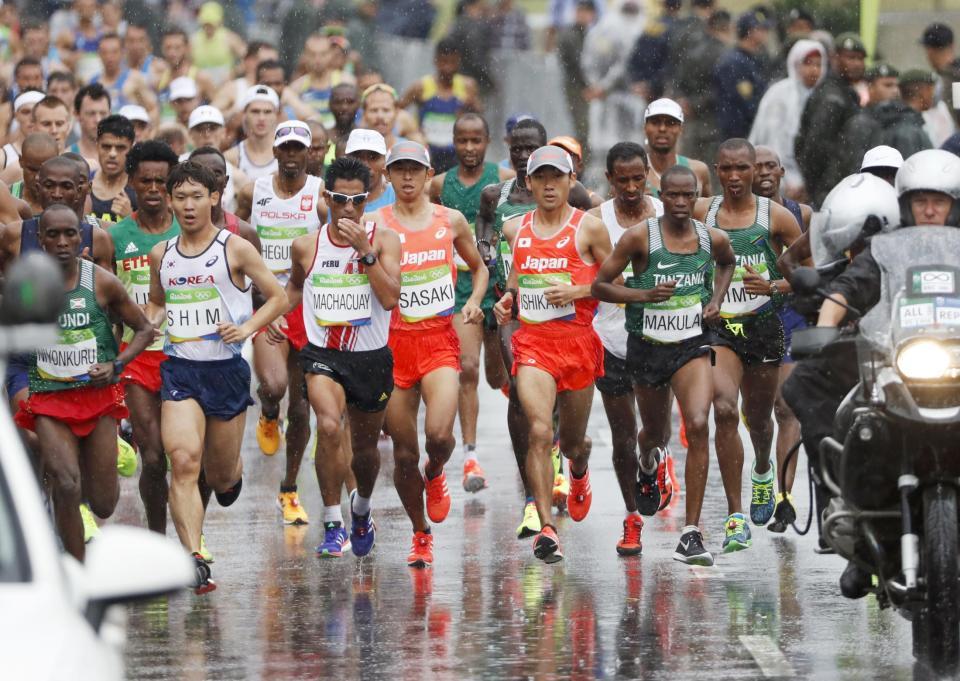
pixel 384 275
pixel 103 249
pixel 580 197
pixel 411 96
pixel 245 201
pixel 700 209
pixel 785 232
pixel 795 256
pixel 248 263
pixel 700 169
pixel 124 308
pixel 806 212
pixel 726 263
pixel 300 252
pixel 632 246
pixel 436 186
pixel 503 309
pixel 465 242
pixel 246 230
pixel 156 300
pixel 486 218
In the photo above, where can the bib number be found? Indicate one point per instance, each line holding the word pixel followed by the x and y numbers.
pixel 438 129
pixel 194 314
pixel 674 320
pixel 425 294
pixel 276 243
pixel 340 299
pixel 739 303
pixel 534 307
pixel 69 360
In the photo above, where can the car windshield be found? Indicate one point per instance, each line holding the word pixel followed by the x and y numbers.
pixel 13 559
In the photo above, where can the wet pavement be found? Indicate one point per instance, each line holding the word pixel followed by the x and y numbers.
pixel 488 609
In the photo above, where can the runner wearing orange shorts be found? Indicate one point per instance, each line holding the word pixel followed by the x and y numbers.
pixel 75 402
pixel 426 349
pixel 557 250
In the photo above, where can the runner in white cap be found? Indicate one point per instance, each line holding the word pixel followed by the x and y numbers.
pixel 254 155
pixel 142 125
pixel 206 129
pixel 662 126
pixel 369 147
pixel 184 99
pixel 882 161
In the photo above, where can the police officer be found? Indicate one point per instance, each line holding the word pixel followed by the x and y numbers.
pixel 739 79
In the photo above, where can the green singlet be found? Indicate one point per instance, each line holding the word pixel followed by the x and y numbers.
pixel 681 161
pixel 505 211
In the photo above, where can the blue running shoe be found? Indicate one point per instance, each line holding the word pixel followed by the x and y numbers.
pixel 363 532
pixel 762 502
pixel 737 536
pixel 335 541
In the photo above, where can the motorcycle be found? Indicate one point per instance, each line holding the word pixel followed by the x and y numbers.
pixel 893 464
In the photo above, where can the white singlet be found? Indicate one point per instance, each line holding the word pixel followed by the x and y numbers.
pixel 279 221
pixel 10 154
pixel 340 310
pixel 200 294
pixel 610 322
pixel 253 170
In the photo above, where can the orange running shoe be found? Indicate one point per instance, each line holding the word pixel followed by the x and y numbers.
pixel 421 553
pixel 664 481
pixel 672 472
pixel 268 435
pixel 546 546
pixel 683 432
pixel 578 502
pixel 630 544
pixel 438 498
pixel 474 479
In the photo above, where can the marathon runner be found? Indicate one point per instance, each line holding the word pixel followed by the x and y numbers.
pixel 125 85
pixel 749 342
pixel 668 350
pixel 23 116
pixel 254 155
pixel 206 129
pixel 38 148
pixel 425 346
pixel 52 116
pixel 381 113
pixel 460 188
pixel 348 276
pixel 662 126
pixel 368 147
pixel 272 74
pixel 315 87
pixel 142 125
pixel 111 198
pixel 198 283
pixel 75 401
pixel 345 108
pixel 286 205
pixel 557 250
pixel 319 146
pixel 212 159
pixel 177 58
pixel 91 105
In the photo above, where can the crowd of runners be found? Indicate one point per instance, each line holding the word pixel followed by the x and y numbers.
pixel 374 259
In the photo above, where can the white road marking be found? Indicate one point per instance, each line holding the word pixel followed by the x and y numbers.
pixel 768 656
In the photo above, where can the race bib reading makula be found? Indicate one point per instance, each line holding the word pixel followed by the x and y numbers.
pixel 673 320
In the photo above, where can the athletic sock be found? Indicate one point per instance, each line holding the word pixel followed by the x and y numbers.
pixel 332 514
pixel 469 453
pixel 530 500
pixel 765 477
pixel 285 489
pixel 648 471
pixel 689 528
pixel 360 505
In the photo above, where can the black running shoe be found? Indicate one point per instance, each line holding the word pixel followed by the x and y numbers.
pixel 783 515
pixel 690 549
pixel 648 492
pixel 203 584
pixel 231 495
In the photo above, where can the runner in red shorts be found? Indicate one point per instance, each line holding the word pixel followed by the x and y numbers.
pixel 75 401
pixel 426 349
pixel 557 250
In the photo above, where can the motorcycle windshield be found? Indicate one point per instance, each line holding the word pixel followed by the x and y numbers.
pixel 920 289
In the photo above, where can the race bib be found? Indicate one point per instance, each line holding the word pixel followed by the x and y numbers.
pixel 673 320
pixel 534 308
pixel 70 359
pixel 340 299
pixel 275 243
pixel 425 294
pixel 506 257
pixel 438 129
pixel 140 286
pixel 194 314
pixel 739 303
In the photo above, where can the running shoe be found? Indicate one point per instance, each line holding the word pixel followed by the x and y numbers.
pixel 665 482
pixel 784 514
pixel 268 435
pixel 202 583
pixel 561 487
pixel 648 489
pixel 737 537
pixel 363 531
pixel 421 552
pixel 126 458
pixel 335 541
pixel 438 497
pixel 672 472
pixel 474 479
pixel 531 522
pixel 293 512
pixel 761 498
pixel 204 551
pixel 630 544
pixel 580 497
pixel 690 550
pixel 546 546
pixel 90 527
pixel 227 497
pixel 683 433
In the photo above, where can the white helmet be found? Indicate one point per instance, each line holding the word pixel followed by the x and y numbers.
pixel 847 207
pixel 931 170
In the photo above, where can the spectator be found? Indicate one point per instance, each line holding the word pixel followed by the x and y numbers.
pixel 570 51
pixel 214 47
pixel 778 117
pixel 509 25
pixel 563 14
pixel 407 18
pixel 303 19
pixel 739 80
pixel 471 31
pixel 832 103
pixel 684 35
pixel 798 23
pixel 362 34
pixel 647 64
pixel 937 40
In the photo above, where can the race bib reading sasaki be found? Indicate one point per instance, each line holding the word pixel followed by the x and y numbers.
pixel 427 293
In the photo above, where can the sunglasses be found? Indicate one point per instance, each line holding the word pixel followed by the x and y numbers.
pixel 342 199
pixel 293 130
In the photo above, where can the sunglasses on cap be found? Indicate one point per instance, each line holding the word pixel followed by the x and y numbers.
pixel 343 199
pixel 378 87
pixel 293 130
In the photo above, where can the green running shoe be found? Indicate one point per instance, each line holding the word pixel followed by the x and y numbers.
pixel 126 458
pixel 737 536
pixel 90 527
pixel 530 526
pixel 204 551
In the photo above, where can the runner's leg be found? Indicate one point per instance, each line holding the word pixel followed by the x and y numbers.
pixel 144 409
pixel 365 431
pixel 270 366
pixel 440 389
pixel 329 403
pixel 183 426
pixel 692 386
pixel 59 451
pixel 727 377
pixel 493 368
pixel 517 424
pixel 788 431
pixel 623 430
pixel 759 389
pixel 298 421
pixel 471 338
pixel 537 393
pixel 402 425
pixel 222 463
pixel 98 467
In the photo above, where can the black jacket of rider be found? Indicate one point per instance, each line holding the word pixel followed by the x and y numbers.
pixel 860 282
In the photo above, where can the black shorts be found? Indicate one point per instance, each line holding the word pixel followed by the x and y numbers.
pixel 366 377
pixel 756 340
pixel 615 381
pixel 652 365
pixel 221 387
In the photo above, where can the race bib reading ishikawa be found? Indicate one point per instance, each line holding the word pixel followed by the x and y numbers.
pixel 534 307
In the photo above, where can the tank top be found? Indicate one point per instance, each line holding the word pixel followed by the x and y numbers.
pixel 609 322
pixel 167 113
pixel 280 221
pixel 253 170
pixel 681 317
pixel 318 99
pixel 794 208
pixel 751 246
pixel 200 294
pixel 102 208
pixel 131 251
pixel 544 262
pixel 505 211
pixel 211 52
pixel 10 154
pixel 340 310
pixel 30 235
pixel 438 114
pixel 655 191
pixel 86 338
pixel 387 198
pixel 455 194
pixel 117 99
pixel 427 273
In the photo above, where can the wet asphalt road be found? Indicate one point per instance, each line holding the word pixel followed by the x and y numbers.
pixel 488 609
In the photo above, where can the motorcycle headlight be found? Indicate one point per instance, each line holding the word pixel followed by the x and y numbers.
pixel 923 360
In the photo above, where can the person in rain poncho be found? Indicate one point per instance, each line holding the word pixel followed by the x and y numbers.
pixel 778 118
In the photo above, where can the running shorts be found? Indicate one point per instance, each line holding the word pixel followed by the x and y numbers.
pixel 221 388
pixel 144 370
pixel 18 374
pixel 296 332
pixel 616 381
pixel 652 365
pixel 366 376
pixel 755 340
pixel 417 353
pixel 792 321
pixel 574 360
pixel 79 408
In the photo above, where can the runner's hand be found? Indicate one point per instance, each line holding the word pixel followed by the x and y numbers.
pixel 503 310
pixel 472 314
pixel 355 234
pixel 711 313
pixel 754 284
pixel 101 374
pixel 662 292
pixel 231 333
pixel 277 331
pixel 561 295
pixel 121 205
pixel 86 255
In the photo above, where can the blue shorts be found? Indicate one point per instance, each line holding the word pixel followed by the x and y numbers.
pixel 792 321
pixel 17 377
pixel 221 388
